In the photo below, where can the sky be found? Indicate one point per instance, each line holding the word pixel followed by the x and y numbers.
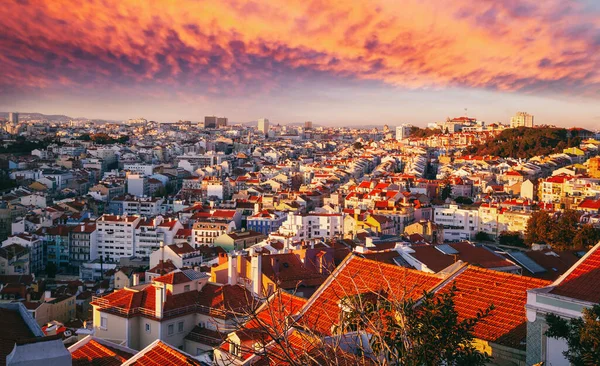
pixel 331 62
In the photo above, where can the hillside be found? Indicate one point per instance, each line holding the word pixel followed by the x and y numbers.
pixel 525 142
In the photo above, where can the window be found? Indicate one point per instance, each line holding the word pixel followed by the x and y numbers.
pixel 170 329
pixel 147 328
pixel 180 327
pixel 198 351
pixel 103 322
pixel 186 288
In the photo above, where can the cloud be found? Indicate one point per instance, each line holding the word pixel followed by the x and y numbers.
pixel 236 47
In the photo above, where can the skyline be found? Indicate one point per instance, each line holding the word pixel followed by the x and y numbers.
pixel 320 61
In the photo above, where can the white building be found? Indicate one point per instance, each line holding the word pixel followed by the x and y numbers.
pixel 403 131
pixel 116 236
pixel 137 185
pixel 263 126
pixel 308 226
pixel 521 119
pixel 459 223
pixel 150 233
pixel 138 168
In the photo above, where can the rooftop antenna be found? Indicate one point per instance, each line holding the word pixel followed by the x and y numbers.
pixel 466 112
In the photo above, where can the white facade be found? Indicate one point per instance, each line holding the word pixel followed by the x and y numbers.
pixel 263 125
pixel 521 119
pixel 137 185
pixel 312 225
pixel 116 236
pixel 403 131
pixel 143 169
pixel 459 223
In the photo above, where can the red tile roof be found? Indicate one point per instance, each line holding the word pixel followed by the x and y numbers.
pixel 95 354
pixel 159 354
pixel 357 276
pixel 479 288
pixel 173 278
pixel 582 282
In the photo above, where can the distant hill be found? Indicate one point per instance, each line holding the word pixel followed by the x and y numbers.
pixel 33 115
pixel 525 142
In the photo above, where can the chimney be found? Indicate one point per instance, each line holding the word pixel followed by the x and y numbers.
pixel 232 270
pixel 222 258
pixel 369 242
pixel 159 299
pixel 135 279
pixel 47 295
pixel 256 266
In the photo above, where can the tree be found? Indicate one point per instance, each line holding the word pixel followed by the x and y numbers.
pixel 511 238
pixel 586 236
pixel 539 227
pixel 564 231
pixel 428 333
pixel 358 145
pixel 482 236
pixel 446 191
pixel 582 336
pixel 51 269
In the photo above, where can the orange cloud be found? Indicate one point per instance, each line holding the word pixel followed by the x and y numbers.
pixel 231 45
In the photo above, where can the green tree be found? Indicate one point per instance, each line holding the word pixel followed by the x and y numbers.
pixel 565 230
pixel 582 336
pixel 539 227
pixel 446 191
pixel 51 269
pixel 586 236
pixel 511 238
pixel 482 236
pixel 407 333
pixel 358 145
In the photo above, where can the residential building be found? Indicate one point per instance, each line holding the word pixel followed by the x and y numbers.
pixel 566 297
pixel 116 236
pixel 83 243
pixel 263 126
pixel 265 221
pixel 459 223
pixel 137 185
pixel 521 119
pixel 167 309
pixel 239 240
pixel 35 246
pixel 39 350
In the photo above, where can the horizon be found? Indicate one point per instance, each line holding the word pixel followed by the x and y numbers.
pixel 337 65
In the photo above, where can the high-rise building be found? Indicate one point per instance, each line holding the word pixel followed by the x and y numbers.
pixel 13 117
pixel 403 131
pixel 263 125
pixel 521 119
pixel 221 122
pixel 308 125
pixel 210 122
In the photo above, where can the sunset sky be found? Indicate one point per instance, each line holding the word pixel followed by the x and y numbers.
pixel 332 62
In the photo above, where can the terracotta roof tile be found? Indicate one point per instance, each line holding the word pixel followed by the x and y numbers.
pixel 95 354
pixel 162 354
pixel 357 276
pixel 582 282
pixel 478 288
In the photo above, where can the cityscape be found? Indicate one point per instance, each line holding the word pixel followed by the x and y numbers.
pixel 290 183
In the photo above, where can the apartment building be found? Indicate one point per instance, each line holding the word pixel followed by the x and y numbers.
pixel 459 223
pixel 168 309
pixel 132 205
pixel 312 225
pixel 265 221
pixel 35 244
pixel 151 232
pixel 83 243
pixel 116 236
